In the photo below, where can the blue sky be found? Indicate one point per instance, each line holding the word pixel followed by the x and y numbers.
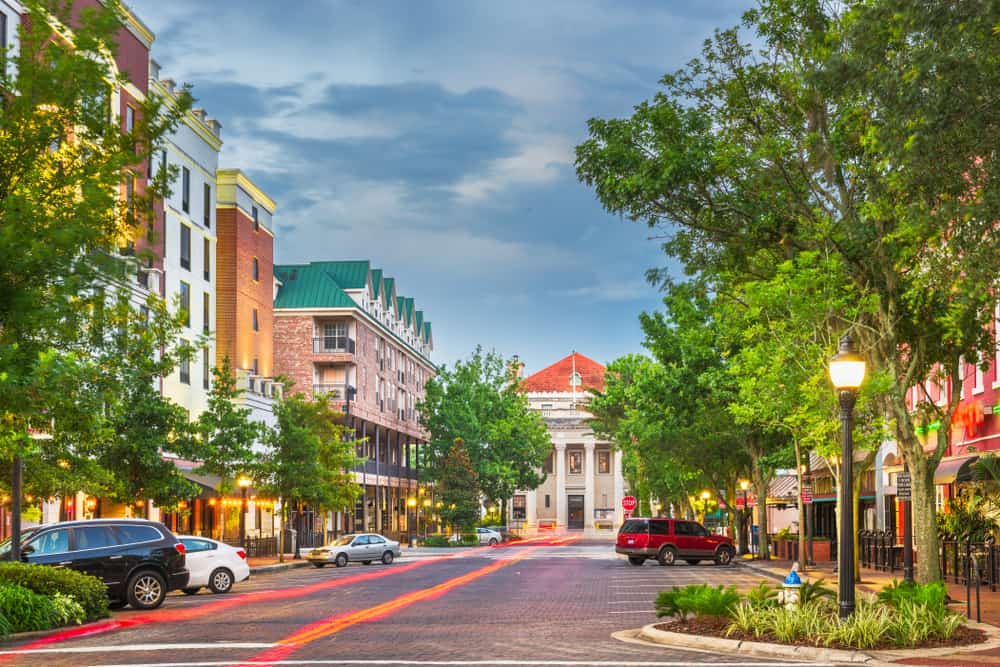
pixel 436 139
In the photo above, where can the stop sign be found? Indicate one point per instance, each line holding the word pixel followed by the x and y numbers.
pixel 629 503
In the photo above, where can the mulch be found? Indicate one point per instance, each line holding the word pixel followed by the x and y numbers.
pixel 716 627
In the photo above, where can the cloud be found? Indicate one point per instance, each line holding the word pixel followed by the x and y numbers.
pixel 628 290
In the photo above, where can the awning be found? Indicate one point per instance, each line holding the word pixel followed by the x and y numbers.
pixel 955 470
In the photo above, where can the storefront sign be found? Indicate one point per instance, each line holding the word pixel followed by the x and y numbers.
pixel 903 486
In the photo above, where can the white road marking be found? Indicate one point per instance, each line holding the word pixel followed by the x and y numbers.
pixel 123 648
pixel 459 663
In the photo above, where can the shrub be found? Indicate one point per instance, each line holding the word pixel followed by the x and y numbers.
pixel 697 599
pixel 933 594
pixel 90 592
pixel 869 625
pixel 810 591
pixel 66 610
pixel 762 595
pixel 436 541
pixel 25 609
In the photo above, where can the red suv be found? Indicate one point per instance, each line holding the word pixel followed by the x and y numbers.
pixel 666 540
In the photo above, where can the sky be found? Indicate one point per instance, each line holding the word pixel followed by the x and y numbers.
pixel 436 139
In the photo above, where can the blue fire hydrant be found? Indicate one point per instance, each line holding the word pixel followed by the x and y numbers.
pixel 789 594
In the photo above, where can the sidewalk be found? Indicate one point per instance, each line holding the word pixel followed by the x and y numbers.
pixel 266 564
pixel 873 581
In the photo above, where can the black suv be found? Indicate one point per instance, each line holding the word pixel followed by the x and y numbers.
pixel 140 561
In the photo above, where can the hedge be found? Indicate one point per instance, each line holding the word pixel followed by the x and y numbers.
pixel 25 609
pixel 90 592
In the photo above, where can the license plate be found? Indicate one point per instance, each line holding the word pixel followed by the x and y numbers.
pixel 631 541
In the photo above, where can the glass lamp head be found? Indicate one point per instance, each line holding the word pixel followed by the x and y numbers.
pixel 847 368
pixel 744 484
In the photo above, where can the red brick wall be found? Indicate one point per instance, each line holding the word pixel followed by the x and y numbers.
pixel 293 350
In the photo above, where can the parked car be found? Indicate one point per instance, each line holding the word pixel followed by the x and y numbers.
pixel 365 547
pixel 213 564
pixel 139 561
pixel 483 536
pixel 666 540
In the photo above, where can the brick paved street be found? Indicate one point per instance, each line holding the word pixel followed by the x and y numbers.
pixel 524 605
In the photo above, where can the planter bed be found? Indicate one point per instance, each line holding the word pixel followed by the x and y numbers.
pixel 716 627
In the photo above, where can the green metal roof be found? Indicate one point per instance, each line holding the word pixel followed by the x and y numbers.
pixel 399 307
pixel 377 283
pixel 349 275
pixel 420 322
pixel 309 286
pixel 427 331
pixel 408 302
pixel 389 284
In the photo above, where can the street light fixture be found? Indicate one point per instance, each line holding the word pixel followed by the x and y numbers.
pixel 411 502
pixel 705 495
pixel 847 372
pixel 244 483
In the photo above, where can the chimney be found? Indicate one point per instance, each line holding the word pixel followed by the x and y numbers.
pixel 169 84
pixel 199 114
pixel 215 126
pixel 154 69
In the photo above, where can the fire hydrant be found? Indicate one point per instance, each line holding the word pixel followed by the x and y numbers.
pixel 789 593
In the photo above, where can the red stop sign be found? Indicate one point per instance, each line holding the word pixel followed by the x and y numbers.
pixel 629 503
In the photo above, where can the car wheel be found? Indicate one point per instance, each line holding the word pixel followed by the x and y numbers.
pixel 667 556
pixel 692 561
pixel 387 558
pixel 724 556
pixel 493 541
pixel 221 581
pixel 636 560
pixel 192 591
pixel 146 590
pixel 340 560
pixel 318 564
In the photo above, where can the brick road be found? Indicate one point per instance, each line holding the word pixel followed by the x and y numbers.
pixel 521 605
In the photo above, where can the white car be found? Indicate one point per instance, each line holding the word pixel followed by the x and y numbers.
pixel 366 547
pixel 213 564
pixel 484 535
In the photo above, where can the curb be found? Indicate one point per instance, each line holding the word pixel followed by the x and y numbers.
pixel 277 567
pixel 32 634
pixel 650 633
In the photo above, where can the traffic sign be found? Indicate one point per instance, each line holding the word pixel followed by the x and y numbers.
pixel 629 503
pixel 903 486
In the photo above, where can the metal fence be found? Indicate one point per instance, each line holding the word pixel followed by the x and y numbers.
pixel 878 550
pixel 960 559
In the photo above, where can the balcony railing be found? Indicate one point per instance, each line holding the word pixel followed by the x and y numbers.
pixel 386 469
pixel 333 345
pixel 337 391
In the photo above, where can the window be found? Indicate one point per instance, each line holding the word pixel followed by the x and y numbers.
pixel 133 534
pixel 682 528
pixel 256 324
pixel 575 379
pixel 636 527
pixel 255 367
pixel 547 467
pixel 256 218
pixel 206 369
pixel 659 527
pixel 94 537
pixel 130 197
pixel 575 462
pixel 335 336
pixel 3 40
pixel 207 205
pixel 194 546
pixel 130 124
pixel 548 500
pixel 977 388
pixel 185 189
pixel 256 269
pixel 185 367
pixel 603 462
pixel 186 303
pixel 185 247
pixel 207 252
pixel 206 312
pixel 52 542
pixel 519 505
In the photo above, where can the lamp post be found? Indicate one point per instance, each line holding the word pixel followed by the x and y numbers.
pixel 744 533
pixel 244 484
pixel 705 495
pixel 847 371
pixel 411 503
pixel 907 531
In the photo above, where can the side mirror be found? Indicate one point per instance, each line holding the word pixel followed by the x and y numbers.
pixel 27 551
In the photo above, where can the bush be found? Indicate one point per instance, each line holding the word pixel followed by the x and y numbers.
pixel 697 599
pixel 437 541
pixel 25 609
pixel 916 623
pixel 810 591
pixel 763 595
pixel 90 592
pixel 933 594
pixel 67 611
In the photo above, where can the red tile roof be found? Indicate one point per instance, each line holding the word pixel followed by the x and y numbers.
pixel 556 378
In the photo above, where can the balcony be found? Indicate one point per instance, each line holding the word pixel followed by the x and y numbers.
pixel 336 391
pixel 333 345
pixel 386 469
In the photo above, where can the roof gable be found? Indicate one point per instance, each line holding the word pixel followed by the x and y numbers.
pixel 557 377
pixel 309 286
pixel 377 291
pixel 349 275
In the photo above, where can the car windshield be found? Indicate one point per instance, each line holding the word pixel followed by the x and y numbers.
pixel 343 541
pixel 5 545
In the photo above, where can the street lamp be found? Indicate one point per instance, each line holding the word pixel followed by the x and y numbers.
pixel 427 506
pixel 847 371
pixel 744 533
pixel 244 484
pixel 705 495
pixel 411 502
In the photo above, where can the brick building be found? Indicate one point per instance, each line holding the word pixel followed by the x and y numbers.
pixel 341 330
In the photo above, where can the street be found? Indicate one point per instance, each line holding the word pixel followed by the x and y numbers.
pixel 547 602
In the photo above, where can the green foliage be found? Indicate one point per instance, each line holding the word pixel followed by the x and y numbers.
pixel 915 623
pixel 811 591
pixel 966 519
pixel 25 609
pixel 90 592
pixel 438 541
pixel 459 488
pixel 932 595
pixel 67 611
pixel 479 401
pixel 698 600
pixel 868 626
pixel 763 594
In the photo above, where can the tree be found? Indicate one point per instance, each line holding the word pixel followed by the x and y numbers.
pixel 226 434
pixel 480 401
pixel 858 130
pixel 459 488
pixel 309 459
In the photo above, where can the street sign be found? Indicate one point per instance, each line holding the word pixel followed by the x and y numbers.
pixel 628 514
pixel 807 493
pixel 903 486
pixel 629 503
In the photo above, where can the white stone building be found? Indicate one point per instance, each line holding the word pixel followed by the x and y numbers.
pixel 584 486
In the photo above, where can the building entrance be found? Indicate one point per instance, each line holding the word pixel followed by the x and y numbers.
pixel 574 512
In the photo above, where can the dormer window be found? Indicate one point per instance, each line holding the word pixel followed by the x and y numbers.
pixel 575 380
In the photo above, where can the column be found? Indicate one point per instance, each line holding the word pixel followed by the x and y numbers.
pixel 588 486
pixel 530 513
pixel 378 493
pixel 561 486
pixel 619 488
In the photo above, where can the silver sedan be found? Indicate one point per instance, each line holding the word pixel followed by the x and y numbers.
pixel 363 547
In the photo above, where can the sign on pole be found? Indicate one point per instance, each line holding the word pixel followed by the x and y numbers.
pixel 629 503
pixel 807 493
pixel 903 486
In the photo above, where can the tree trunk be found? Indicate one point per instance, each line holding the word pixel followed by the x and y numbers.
pixel 925 537
pixel 760 484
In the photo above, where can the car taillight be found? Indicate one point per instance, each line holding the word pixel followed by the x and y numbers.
pixel 180 548
pixel 242 554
